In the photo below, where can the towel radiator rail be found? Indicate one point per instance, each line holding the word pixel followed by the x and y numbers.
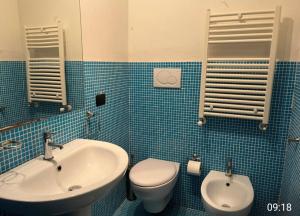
pixel 45 75
pixel 239 87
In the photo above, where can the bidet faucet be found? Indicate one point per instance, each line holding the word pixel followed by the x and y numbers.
pixel 228 171
pixel 48 144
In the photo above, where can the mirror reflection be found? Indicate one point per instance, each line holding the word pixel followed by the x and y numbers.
pixel 40 59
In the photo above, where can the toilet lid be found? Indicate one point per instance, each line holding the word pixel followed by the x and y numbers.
pixel 152 172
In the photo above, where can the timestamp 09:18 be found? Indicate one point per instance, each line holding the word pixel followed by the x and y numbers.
pixel 277 207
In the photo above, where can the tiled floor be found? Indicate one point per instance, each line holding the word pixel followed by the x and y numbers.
pixel 135 208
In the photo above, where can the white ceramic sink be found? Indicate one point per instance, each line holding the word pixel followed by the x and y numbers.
pixel 82 172
pixel 227 196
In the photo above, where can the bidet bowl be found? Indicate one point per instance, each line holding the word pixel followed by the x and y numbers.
pixel 82 172
pixel 227 196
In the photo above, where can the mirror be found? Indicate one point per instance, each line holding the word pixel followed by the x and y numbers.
pixel 17 15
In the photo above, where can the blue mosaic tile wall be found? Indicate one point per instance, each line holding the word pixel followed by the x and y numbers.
pixel 12 88
pixel 111 120
pixel 163 124
pixel 110 123
pixel 290 191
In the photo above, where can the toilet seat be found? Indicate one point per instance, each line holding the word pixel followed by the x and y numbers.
pixel 152 172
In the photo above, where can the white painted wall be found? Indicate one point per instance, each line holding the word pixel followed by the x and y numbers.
pixel 137 30
pixel 10 38
pixel 46 12
pixel 173 30
pixel 168 30
pixel 104 30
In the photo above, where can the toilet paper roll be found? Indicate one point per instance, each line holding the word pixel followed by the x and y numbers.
pixel 194 168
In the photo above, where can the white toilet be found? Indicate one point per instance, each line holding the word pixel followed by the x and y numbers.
pixel 152 181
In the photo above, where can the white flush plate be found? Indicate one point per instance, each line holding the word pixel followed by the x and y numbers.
pixel 167 77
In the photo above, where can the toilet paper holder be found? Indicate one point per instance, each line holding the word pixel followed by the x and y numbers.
pixel 195 157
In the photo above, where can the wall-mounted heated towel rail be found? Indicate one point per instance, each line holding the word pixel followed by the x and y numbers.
pixel 238 84
pixel 45 64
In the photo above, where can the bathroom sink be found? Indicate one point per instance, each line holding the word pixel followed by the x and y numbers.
pixel 227 196
pixel 82 172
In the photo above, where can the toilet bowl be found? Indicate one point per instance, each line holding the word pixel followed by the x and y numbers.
pixel 227 196
pixel 152 181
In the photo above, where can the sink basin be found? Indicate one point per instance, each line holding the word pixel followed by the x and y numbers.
pixel 82 172
pixel 227 196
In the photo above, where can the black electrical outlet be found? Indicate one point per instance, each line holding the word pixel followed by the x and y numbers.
pixel 100 99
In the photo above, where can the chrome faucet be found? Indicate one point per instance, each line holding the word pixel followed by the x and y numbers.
pixel 48 144
pixel 228 171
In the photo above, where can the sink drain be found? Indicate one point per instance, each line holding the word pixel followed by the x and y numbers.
pixel 74 187
pixel 226 206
